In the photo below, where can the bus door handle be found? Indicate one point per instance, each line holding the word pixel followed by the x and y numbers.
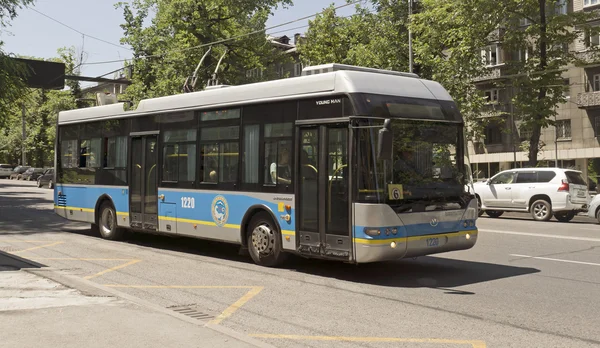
pixel 507 188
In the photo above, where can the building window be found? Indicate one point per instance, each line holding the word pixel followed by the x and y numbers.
pixel 567 88
pixel 563 129
pixel 561 7
pixel 493 135
pixel 490 55
pixel 524 54
pixel 491 96
pixel 590 2
pixel 596 83
pixel 592 39
pixel 596 126
pixel 524 21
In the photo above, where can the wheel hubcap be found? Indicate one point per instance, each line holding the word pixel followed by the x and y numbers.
pixel 540 210
pixel 263 239
pixel 108 221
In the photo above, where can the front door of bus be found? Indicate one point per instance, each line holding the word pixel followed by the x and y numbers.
pixel 143 189
pixel 323 226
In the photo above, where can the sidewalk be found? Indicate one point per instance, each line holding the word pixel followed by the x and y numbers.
pixel 43 308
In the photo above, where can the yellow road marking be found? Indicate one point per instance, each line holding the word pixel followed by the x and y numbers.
pixel 237 305
pixel 254 290
pixel 39 247
pixel 472 343
pixel 80 259
pixel 112 269
pixel 177 286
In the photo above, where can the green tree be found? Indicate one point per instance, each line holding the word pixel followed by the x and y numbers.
pixel 166 51
pixel 450 35
pixel 11 85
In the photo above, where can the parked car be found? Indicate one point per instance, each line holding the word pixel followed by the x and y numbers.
pixel 32 174
pixel 47 179
pixel 18 172
pixel 542 192
pixel 6 170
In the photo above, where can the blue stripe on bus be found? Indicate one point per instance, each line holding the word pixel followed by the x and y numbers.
pixel 237 204
pixel 85 197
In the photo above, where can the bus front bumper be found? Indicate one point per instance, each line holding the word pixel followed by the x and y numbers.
pixel 372 250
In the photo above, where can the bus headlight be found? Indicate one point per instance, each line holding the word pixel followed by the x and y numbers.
pixel 373 232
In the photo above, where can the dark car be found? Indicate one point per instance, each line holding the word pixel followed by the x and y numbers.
pixel 18 172
pixel 32 174
pixel 46 179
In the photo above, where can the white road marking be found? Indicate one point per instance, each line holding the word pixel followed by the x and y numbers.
pixel 558 260
pixel 541 235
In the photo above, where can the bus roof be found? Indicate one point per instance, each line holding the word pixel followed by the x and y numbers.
pixel 322 84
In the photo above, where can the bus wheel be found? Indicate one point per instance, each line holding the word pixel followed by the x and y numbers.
pixel 107 223
pixel 264 241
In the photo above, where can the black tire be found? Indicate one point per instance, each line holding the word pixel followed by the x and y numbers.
pixel 39 184
pixel 479 211
pixel 541 210
pixel 564 216
pixel 264 241
pixel 50 184
pixel 494 213
pixel 107 223
pixel 598 215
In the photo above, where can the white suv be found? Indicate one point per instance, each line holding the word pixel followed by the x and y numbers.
pixel 543 192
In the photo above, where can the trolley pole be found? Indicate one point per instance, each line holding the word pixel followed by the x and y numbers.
pixel 410 49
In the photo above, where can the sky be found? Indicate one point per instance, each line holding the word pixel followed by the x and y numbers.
pixel 32 34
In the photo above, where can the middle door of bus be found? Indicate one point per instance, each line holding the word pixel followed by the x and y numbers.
pixel 143 188
pixel 323 223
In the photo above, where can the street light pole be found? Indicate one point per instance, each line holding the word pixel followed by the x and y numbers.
pixel 24 155
pixel 410 49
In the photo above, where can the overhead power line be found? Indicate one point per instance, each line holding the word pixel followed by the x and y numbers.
pixel 230 38
pixel 79 32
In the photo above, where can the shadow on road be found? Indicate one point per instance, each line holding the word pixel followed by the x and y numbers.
pixel 32 214
pixel 9 262
pixel 580 220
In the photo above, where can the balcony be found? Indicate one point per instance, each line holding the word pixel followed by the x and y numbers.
pixel 587 58
pixel 588 100
pixel 495 110
pixel 493 72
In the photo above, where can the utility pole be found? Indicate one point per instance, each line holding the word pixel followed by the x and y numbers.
pixel 410 49
pixel 24 155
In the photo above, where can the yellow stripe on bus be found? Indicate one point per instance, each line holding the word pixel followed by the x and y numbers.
pixel 86 210
pixel 412 239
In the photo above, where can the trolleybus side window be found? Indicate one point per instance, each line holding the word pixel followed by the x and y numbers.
pixel 220 154
pixel 278 153
pixel 251 153
pixel 179 155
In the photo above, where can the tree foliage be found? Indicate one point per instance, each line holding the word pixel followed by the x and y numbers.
pixel 167 51
pixel 11 85
pixel 41 110
pixel 451 34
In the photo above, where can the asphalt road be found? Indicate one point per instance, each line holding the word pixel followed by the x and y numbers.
pixel 525 283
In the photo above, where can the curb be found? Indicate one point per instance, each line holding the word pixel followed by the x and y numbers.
pixel 90 288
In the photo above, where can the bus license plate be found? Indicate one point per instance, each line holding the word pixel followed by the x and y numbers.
pixel 436 241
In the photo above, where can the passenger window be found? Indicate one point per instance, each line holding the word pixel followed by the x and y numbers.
pixel 546 176
pixel 504 178
pixel 278 153
pixel 526 178
pixel 220 154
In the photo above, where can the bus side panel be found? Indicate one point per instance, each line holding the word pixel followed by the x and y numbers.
pixel 218 215
pixel 78 202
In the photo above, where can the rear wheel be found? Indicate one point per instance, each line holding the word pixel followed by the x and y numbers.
pixel 564 216
pixel 541 210
pixel 264 241
pixel 50 184
pixel 107 223
pixel 39 183
pixel 494 213
pixel 598 215
pixel 479 211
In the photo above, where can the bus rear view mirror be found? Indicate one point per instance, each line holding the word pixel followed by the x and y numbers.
pixel 385 142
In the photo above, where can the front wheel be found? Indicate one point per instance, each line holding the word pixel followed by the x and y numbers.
pixel 479 211
pixel 541 210
pixel 564 216
pixel 494 213
pixel 39 183
pixel 107 223
pixel 50 184
pixel 264 241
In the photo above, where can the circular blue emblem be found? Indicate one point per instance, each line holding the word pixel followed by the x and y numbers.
pixel 220 210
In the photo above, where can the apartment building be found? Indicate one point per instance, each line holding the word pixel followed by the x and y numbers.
pixel 575 140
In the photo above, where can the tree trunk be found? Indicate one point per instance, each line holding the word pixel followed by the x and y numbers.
pixel 534 141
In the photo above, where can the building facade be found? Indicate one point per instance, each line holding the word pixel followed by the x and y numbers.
pixel 573 142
